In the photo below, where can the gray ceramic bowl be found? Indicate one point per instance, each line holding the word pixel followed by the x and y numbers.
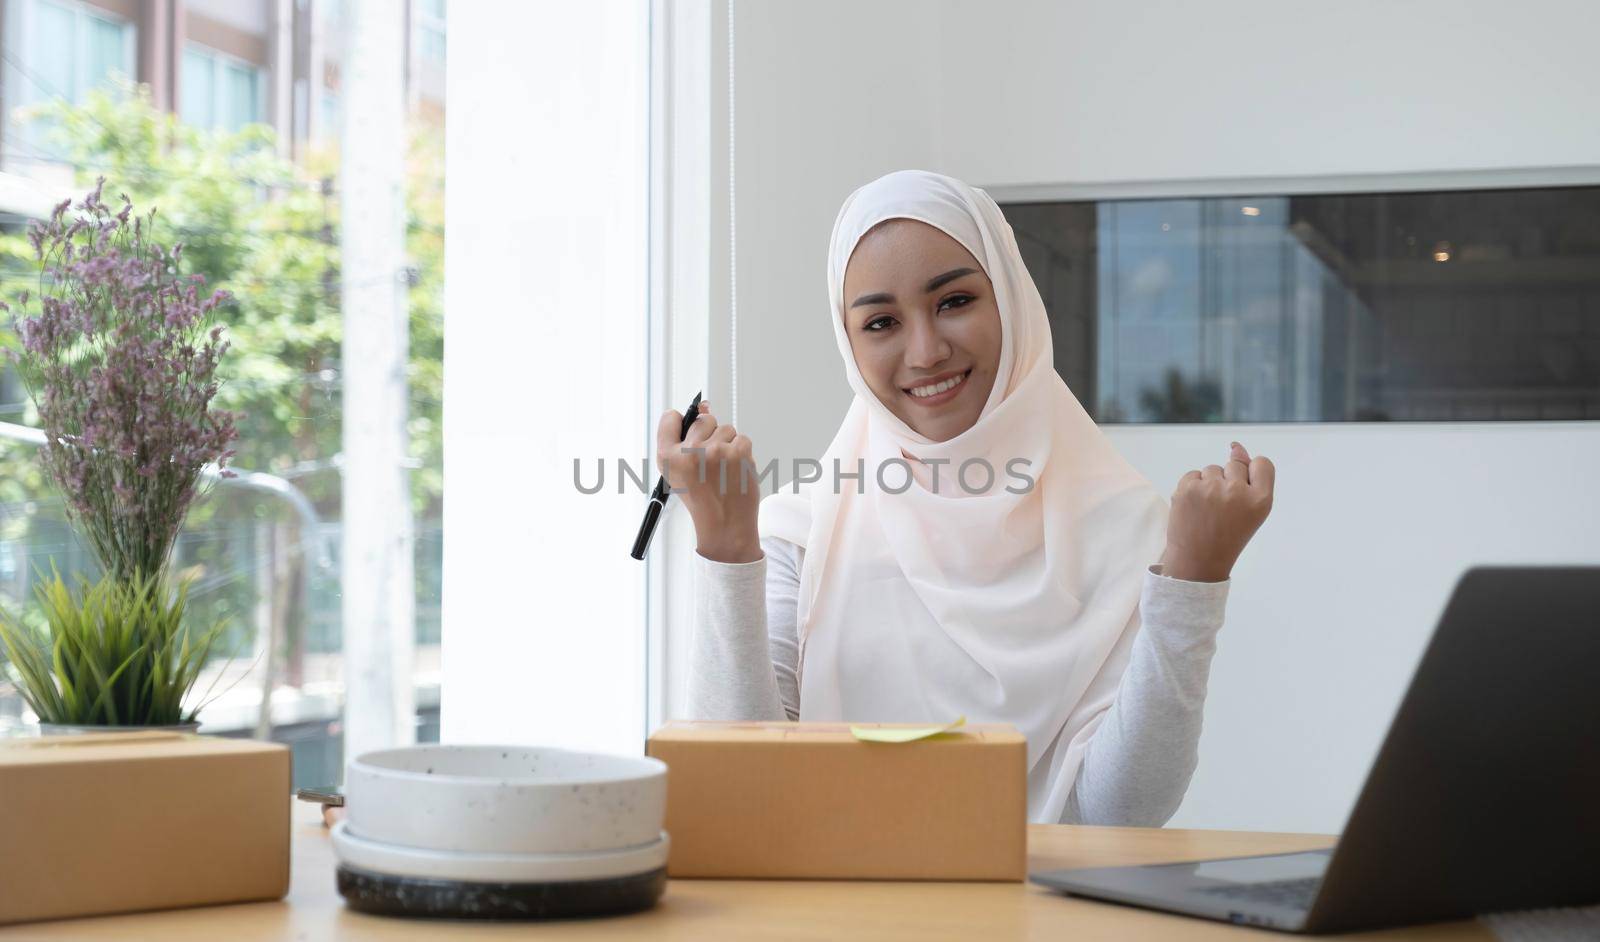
pixel 505 799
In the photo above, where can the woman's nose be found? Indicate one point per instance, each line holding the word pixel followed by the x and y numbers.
pixel 927 348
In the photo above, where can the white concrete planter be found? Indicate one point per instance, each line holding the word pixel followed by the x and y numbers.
pixel 505 799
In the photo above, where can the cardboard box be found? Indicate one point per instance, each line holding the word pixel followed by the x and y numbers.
pixel 809 800
pixel 117 822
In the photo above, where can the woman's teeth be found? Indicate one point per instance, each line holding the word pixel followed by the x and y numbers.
pixel 923 392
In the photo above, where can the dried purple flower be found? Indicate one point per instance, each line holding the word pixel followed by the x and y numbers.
pixel 121 364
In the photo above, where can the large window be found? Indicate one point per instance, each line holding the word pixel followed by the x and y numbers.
pixel 268 223
pixel 219 91
pixel 1426 306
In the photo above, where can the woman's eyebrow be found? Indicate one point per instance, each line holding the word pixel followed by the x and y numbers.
pixel 934 284
pixel 882 297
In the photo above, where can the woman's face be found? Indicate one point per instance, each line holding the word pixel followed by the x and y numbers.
pixel 921 314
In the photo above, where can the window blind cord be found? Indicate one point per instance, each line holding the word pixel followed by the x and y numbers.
pixel 733 243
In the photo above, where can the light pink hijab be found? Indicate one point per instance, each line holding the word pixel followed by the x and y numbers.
pixel 1003 607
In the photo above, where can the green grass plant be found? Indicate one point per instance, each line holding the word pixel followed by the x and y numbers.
pixel 115 652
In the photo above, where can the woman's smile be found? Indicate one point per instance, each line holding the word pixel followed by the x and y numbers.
pixel 938 390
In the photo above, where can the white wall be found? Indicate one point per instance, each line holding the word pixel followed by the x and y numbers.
pixel 546 294
pixel 1164 89
pixel 1335 599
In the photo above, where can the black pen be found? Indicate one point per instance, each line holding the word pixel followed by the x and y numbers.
pixel 658 497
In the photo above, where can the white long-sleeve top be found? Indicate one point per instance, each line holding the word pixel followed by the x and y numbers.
pixel 1140 759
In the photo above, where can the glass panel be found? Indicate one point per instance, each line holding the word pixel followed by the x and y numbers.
pixel 432 44
pixel 107 51
pixel 431 30
pixel 1434 306
pixel 1147 313
pixel 53 74
pixel 239 101
pixel 198 90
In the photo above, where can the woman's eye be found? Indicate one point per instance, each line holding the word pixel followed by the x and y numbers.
pixel 878 323
pixel 956 300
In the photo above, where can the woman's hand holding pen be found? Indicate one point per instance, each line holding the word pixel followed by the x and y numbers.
pixel 1215 512
pixel 713 472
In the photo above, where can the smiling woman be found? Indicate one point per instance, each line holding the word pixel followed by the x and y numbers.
pixel 1038 607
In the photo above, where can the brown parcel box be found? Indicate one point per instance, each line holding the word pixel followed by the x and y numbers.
pixel 115 822
pixel 809 800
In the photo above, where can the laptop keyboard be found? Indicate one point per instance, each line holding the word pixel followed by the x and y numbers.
pixel 1296 894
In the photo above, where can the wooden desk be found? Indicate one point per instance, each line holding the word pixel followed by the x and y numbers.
pixel 740 909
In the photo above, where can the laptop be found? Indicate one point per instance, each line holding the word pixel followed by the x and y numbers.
pixel 1484 797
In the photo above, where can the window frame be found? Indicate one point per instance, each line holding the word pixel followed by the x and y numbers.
pixel 1329 185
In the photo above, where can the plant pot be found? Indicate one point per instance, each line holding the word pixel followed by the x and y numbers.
pixel 501 832
pixel 70 729
pixel 505 799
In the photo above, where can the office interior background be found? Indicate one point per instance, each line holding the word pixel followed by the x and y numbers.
pixel 1361 239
